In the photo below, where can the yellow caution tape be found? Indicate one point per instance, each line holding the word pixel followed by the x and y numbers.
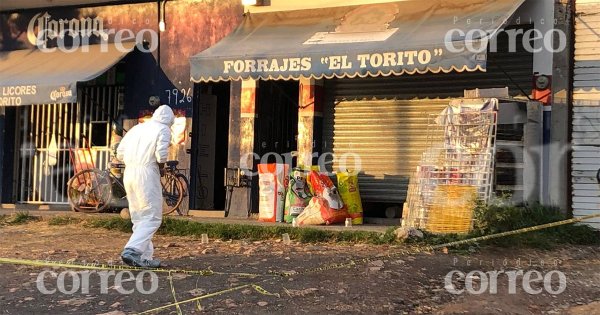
pixel 174 294
pixel 515 232
pixel 256 287
pixel 429 249
pixel 95 266
pixel 262 291
pixel 206 272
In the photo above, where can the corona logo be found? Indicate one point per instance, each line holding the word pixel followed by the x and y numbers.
pixel 60 93
pixel 49 29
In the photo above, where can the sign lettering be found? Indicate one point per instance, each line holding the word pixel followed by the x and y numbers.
pixel 374 61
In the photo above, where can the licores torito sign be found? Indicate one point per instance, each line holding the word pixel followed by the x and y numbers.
pixel 13 95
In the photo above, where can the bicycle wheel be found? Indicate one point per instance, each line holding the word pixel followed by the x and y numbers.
pixel 184 207
pixel 172 193
pixel 89 191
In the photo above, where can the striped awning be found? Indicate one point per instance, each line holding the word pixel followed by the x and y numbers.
pixel 51 76
pixel 393 38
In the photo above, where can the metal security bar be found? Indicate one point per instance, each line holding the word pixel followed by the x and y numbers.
pixel 47 132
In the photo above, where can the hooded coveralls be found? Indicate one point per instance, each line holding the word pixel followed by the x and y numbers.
pixel 142 148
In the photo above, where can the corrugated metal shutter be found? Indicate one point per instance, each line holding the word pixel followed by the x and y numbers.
pixel 514 70
pixel 389 136
pixel 384 119
pixel 586 110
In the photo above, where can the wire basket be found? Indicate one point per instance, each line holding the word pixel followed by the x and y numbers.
pixel 455 171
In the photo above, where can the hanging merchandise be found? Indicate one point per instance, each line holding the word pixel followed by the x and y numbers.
pixel 348 188
pixel 178 130
pixel 297 197
pixel 324 187
pixel 52 152
pixel 271 184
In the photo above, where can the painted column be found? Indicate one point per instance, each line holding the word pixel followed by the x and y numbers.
pixel 241 140
pixel 247 117
pixel 558 189
pixel 310 121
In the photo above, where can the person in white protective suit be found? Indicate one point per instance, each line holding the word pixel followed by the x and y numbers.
pixel 144 150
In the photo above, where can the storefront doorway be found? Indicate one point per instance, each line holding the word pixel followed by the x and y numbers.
pixel 275 127
pixel 210 136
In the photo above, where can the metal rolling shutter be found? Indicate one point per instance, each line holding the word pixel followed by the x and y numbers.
pixel 514 70
pixel 388 136
pixel 586 111
pixel 384 119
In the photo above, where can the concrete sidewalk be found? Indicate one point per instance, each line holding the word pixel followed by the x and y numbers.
pixel 197 216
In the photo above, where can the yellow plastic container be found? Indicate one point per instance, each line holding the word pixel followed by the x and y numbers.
pixel 452 209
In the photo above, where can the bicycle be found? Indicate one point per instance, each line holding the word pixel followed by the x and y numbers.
pixel 174 178
pixel 93 190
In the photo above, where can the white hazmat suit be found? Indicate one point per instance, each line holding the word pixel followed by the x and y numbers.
pixel 142 148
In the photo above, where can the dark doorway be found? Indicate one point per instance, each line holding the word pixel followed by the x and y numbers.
pixel 276 125
pixel 8 130
pixel 210 134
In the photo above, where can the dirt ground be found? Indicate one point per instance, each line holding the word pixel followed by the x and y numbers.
pixel 405 284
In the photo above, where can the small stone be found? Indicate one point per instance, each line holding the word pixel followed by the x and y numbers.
pixel 28 299
pixel 262 303
pixel 374 269
pixel 115 305
pixel 197 292
pixel 12 290
pixel 73 302
pixel 376 263
pixel 247 292
pixel 209 250
pixel 170 245
pixel 404 233
pixel 179 276
pixel 124 214
pixel 230 303
pixel 101 303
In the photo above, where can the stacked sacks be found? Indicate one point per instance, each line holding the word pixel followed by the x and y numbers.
pixel 327 206
pixel 348 187
pixel 271 183
pixel 298 195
